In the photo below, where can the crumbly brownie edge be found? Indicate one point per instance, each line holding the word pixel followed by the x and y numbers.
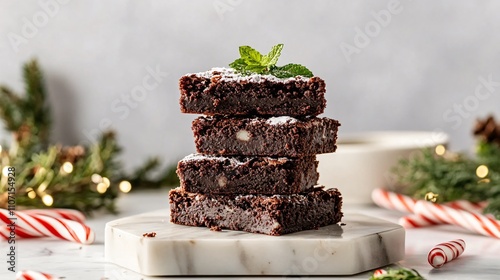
pixel 272 215
pixel 289 137
pixel 247 175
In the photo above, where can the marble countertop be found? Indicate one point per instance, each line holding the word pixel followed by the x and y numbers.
pixel 481 259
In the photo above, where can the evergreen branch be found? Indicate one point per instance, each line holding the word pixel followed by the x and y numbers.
pixel 453 177
pixel 396 274
pixel 10 108
pixel 35 102
pixel 83 178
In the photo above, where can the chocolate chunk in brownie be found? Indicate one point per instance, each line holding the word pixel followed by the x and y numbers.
pixel 275 136
pixel 247 175
pixel 221 91
pixel 273 215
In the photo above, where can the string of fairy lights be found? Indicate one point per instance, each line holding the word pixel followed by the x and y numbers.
pixel 481 171
pixel 100 183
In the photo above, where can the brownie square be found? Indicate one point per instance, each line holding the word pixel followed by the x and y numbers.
pixel 275 136
pixel 247 175
pixel 221 91
pixel 272 215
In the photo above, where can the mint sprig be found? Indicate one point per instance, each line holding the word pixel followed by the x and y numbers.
pixel 252 61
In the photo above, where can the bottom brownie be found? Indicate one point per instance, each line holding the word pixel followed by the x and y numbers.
pixel 268 214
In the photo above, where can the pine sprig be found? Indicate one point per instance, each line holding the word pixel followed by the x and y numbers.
pixel 453 176
pixel 50 175
pixel 397 274
pixel 43 175
pixel 252 61
pixel 35 102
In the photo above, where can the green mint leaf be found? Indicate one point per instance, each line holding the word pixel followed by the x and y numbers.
pixel 272 57
pixel 252 61
pixel 259 69
pixel 238 65
pixel 250 56
pixel 291 70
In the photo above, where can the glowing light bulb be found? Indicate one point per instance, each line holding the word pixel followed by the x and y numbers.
pixel 67 167
pixel 96 178
pixel 5 171
pixel 47 200
pixel 43 186
pixel 482 171
pixel 440 150
pixel 101 188
pixel 106 181
pixel 31 193
pixel 125 186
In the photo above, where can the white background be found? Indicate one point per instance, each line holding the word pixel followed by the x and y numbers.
pixel 412 71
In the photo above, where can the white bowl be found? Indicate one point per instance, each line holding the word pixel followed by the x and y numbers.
pixel 363 161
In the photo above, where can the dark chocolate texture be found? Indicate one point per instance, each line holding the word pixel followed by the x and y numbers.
pixel 221 93
pixel 272 215
pixel 247 175
pixel 281 136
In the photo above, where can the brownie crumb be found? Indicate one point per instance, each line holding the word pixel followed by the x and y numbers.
pixel 342 224
pixel 149 234
pixel 215 228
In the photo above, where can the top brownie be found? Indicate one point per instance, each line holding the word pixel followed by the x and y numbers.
pixel 222 91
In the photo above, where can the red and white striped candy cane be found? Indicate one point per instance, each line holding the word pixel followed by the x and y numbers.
pixel 445 252
pixel 403 203
pixel 60 213
pixel 469 220
pixel 467 205
pixel 49 226
pixel 34 275
pixel 393 201
pixel 5 232
pixel 416 221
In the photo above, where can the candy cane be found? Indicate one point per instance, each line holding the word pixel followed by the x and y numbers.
pixel 469 220
pixel 34 275
pixel 68 214
pixel 445 252
pixel 467 205
pixel 403 203
pixel 393 201
pixel 5 232
pixel 49 226
pixel 416 221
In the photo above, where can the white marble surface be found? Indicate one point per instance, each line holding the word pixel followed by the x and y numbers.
pixel 481 259
pixel 362 244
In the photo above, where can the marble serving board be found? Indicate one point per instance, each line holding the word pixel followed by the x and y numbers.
pixel 362 244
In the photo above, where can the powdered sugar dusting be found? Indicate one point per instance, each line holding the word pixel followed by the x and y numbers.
pixel 230 75
pixel 232 160
pixel 198 157
pixel 281 120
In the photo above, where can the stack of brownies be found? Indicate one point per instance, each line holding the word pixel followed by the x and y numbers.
pixel 255 169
